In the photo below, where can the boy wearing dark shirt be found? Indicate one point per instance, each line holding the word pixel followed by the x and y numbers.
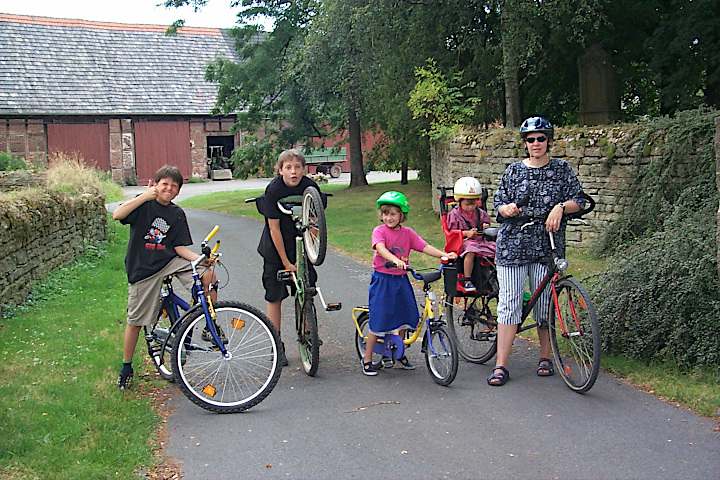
pixel 158 247
pixel 277 244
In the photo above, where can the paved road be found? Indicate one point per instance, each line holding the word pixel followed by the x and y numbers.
pixel 400 424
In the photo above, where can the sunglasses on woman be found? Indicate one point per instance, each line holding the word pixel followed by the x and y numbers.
pixel 540 139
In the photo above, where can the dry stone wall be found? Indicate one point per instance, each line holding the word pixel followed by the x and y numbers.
pixel 42 232
pixel 604 158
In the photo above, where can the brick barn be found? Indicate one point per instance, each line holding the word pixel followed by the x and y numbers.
pixel 127 98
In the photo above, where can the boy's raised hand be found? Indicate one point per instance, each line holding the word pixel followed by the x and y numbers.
pixel 151 192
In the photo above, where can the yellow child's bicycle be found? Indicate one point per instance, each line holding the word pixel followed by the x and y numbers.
pixel 441 354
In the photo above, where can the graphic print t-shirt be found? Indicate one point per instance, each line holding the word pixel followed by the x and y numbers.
pixel 155 231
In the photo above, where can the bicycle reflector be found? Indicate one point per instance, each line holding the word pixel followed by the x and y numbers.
pixel 209 390
pixel 238 324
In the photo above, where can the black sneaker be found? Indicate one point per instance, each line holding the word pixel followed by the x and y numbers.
pixel 125 379
pixel 369 369
pixel 283 359
pixel 207 336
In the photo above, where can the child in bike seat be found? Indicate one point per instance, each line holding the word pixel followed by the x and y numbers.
pixel 391 298
pixel 158 247
pixel 277 243
pixel 472 220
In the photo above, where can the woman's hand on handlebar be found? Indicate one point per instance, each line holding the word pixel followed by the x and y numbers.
pixel 552 224
pixel 510 210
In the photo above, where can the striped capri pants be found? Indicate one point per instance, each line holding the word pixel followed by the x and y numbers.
pixel 512 280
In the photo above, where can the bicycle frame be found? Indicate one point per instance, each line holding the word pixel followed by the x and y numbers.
pixel 426 317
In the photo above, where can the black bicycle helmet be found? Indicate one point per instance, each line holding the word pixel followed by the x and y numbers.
pixel 536 124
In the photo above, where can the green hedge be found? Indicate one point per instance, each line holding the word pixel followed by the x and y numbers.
pixel 659 300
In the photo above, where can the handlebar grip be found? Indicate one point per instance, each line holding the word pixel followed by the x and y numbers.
pixel 211 234
pixel 250 200
pixel 389 264
pixel 215 248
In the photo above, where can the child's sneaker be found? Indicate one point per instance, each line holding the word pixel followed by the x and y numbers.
pixel 283 359
pixel 207 336
pixel 405 363
pixel 369 370
pixel 125 378
pixel 466 287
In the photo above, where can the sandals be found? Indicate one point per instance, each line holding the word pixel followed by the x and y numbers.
pixel 499 378
pixel 545 368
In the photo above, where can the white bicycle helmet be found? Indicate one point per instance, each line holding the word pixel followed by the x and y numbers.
pixel 467 187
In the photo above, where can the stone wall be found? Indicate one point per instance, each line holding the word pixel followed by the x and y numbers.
pixel 604 158
pixel 41 232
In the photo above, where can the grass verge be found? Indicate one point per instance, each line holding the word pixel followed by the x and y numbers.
pixel 61 415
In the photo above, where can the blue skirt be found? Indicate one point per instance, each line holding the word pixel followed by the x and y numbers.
pixel 392 303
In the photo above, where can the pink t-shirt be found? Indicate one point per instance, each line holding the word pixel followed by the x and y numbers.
pixel 400 242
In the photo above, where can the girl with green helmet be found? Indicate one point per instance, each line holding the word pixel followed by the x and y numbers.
pixel 391 298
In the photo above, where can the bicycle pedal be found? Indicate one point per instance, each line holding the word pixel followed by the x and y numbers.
pixel 333 307
pixel 284 276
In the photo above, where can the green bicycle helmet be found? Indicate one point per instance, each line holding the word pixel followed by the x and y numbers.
pixel 394 198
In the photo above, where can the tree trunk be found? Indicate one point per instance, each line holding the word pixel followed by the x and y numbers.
pixel 510 69
pixel 357 174
pixel 404 173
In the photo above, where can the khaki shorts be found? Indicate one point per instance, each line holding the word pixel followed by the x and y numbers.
pixel 143 296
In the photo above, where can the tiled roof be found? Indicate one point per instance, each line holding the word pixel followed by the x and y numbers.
pixel 52 66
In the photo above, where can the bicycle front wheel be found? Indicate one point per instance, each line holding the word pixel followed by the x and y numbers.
pixel 155 337
pixel 243 377
pixel 473 322
pixel 575 335
pixel 314 226
pixel 441 355
pixel 308 340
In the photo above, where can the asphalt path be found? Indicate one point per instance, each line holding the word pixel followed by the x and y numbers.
pixel 400 424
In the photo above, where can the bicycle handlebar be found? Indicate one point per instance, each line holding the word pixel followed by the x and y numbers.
pixel 541 218
pixel 428 278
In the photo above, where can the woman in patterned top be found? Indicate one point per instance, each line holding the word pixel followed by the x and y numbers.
pixel 553 189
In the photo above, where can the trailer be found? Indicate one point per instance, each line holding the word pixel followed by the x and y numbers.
pixel 326 160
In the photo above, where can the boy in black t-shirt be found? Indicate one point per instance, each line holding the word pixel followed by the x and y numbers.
pixel 158 247
pixel 277 244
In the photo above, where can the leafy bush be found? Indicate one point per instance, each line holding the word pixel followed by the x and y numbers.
pixel 9 162
pixel 660 297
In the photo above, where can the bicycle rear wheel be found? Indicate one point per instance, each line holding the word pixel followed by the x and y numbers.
pixel 442 359
pixel 308 341
pixel 155 336
pixel 575 335
pixel 314 226
pixel 242 378
pixel 473 322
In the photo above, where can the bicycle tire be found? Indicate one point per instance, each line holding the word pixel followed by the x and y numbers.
pixel 308 342
pixel 314 226
pixel 577 351
pixel 155 338
pixel 474 329
pixel 238 381
pixel 360 340
pixel 443 363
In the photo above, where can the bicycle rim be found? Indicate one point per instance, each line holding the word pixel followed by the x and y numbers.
pixel 473 324
pixel 577 347
pixel 315 235
pixel 241 379
pixel 442 359
pixel 308 337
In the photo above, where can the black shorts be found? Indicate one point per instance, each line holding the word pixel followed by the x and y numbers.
pixel 275 290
